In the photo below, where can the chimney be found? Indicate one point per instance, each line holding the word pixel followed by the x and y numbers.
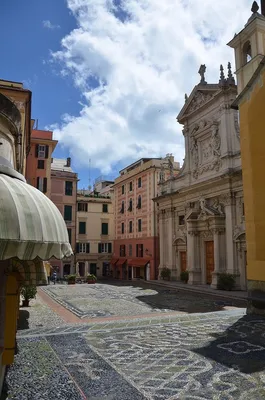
pixel 68 162
pixel 263 7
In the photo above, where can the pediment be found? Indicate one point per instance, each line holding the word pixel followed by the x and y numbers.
pixel 201 95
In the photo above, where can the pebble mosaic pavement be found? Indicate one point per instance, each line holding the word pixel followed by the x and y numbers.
pixel 197 356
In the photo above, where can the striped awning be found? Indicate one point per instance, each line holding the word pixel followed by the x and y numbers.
pixel 121 261
pixel 31 272
pixel 137 262
pixel 31 226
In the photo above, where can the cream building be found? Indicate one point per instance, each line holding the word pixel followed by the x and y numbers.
pixel 201 211
pixel 95 233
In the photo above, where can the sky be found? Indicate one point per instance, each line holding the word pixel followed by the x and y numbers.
pixel 109 76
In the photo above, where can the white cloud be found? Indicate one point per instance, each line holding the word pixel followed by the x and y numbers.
pixel 143 67
pixel 47 24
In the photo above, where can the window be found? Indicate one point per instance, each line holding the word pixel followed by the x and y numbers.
pixel 131 186
pixel 104 228
pixel 41 164
pixel 139 250
pixel 243 209
pixel 68 213
pixel 139 202
pixel 42 184
pixel 122 227
pixel 181 219
pixel 122 189
pixel 105 247
pixel 69 235
pixel 68 188
pixel 139 182
pixel 122 208
pixel 139 225
pixel 122 250
pixel 82 207
pixel 105 208
pixel 247 52
pixel 130 250
pixel 130 227
pixel 82 228
pixel 83 247
pixel 41 151
pixel 130 205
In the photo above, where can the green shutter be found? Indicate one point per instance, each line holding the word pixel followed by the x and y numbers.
pixel 88 248
pixel 82 228
pixel 68 213
pixel 99 248
pixel 104 228
pixel 109 247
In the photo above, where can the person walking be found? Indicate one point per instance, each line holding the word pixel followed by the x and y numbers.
pixel 54 277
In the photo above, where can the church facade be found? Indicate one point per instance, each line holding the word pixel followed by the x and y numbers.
pixel 201 211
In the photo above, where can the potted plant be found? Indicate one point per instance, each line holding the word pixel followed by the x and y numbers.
pixel 184 276
pixel 226 281
pixel 91 278
pixel 71 279
pixel 28 293
pixel 165 273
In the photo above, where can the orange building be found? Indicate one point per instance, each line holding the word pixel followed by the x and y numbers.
pixel 136 244
pixel 38 170
pixel 64 196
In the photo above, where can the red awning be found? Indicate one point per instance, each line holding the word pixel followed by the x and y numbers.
pixel 114 261
pixel 137 262
pixel 121 261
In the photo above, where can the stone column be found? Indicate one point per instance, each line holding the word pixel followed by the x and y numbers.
pixel 216 238
pixel 170 239
pixel 86 268
pixel 161 241
pixel 3 278
pixel 229 224
pixel 193 263
pixel 77 268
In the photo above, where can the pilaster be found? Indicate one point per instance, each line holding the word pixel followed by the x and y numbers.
pixel 228 202
pixel 192 255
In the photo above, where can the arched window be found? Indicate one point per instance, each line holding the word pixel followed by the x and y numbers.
pixel 247 52
pixel 139 203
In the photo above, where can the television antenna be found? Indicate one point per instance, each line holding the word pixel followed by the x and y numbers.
pixel 89 175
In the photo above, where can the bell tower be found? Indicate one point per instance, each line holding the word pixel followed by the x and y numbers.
pixel 249 46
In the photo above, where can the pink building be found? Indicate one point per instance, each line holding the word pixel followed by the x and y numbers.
pixel 38 168
pixel 64 196
pixel 136 244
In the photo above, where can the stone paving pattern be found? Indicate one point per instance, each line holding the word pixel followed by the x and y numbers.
pixel 202 356
pixel 133 298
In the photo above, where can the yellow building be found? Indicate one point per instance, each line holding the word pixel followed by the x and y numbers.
pixel 249 46
pixel 27 217
pixel 95 232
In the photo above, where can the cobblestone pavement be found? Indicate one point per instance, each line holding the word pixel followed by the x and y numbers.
pixel 132 298
pixel 203 356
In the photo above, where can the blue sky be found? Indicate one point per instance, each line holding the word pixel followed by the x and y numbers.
pixel 109 76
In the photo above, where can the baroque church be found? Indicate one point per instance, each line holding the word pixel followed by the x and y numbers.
pixel 201 211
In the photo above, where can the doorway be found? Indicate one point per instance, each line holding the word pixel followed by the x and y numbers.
pixel 209 250
pixel 66 269
pixel 183 260
pixel 93 269
pixel 82 269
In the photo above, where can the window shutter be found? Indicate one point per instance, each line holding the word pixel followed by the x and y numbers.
pixel 77 248
pixel 38 183
pixel 87 247
pixel 45 185
pixel 36 150
pixel 99 248
pixel 137 251
pixel 109 247
pixel 46 151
